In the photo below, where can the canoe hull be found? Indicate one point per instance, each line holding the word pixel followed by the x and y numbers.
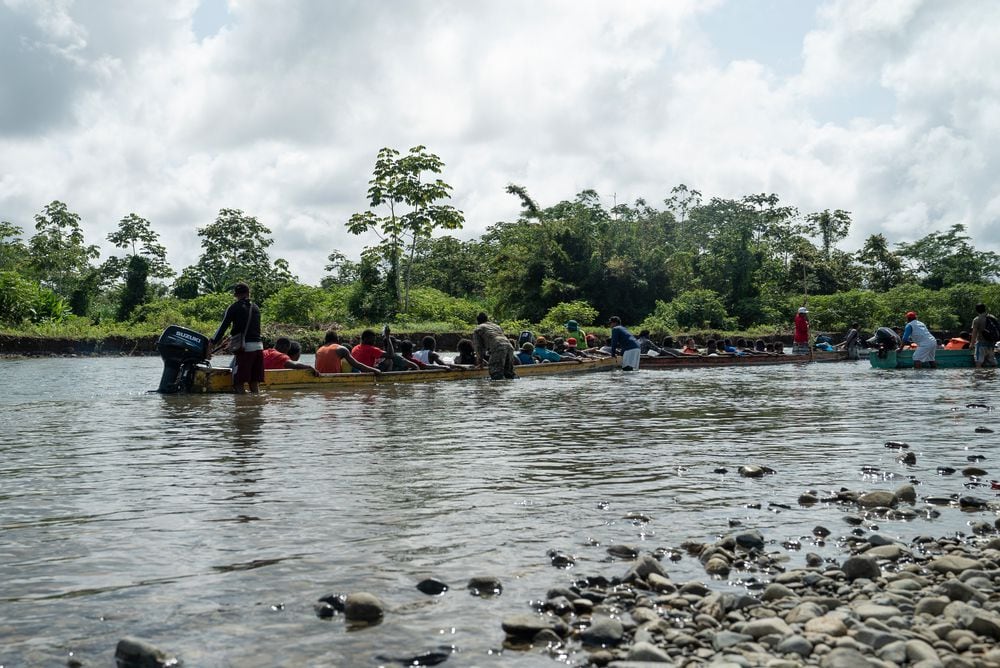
pixel 219 380
pixel 701 361
pixel 903 359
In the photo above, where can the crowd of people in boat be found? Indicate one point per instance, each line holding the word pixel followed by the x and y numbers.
pixel 489 346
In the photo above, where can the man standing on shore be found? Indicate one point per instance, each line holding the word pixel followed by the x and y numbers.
pixel 489 339
pixel 982 345
pixel 622 339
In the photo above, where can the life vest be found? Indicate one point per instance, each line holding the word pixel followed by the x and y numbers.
pixel 956 343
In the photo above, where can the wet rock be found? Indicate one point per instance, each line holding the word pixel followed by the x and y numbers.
pixel 335 601
pixel 945 470
pixel 891 552
pixel 853 520
pixel 622 551
pixel 324 610
pixel 717 566
pixel 983 430
pixel 561 559
pixel 750 540
pixel 973 471
pixel 363 607
pixel 953 564
pixel 644 651
pixel 897 445
pixel 755 471
pixel 720 470
pixel 642 518
pixel 603 631
pixel 876 499
pixel 645 565
pixel 972 503
pixel 527 627
pixel 808 499
pixel 137 653
pixel 813 560
pixel 432 586
pixel 485 586
pixel 906 494
pixel 777 591
pixel 861 567
pixel 820 531
pixel 938 500
pixel 425 659
pixel 795 645
pixel 909 459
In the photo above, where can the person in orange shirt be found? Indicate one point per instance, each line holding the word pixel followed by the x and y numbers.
pixel 278 357
pixel 332 357
pixel 960 342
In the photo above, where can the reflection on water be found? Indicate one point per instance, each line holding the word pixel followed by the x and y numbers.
pixel 209 525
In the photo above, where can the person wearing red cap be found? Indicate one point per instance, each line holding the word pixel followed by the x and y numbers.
pixel 918 333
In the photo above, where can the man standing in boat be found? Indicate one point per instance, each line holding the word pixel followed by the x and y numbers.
pixel 489 339
pixel 800 341
pixel 918 333
pixel 243 317
pixel 622 339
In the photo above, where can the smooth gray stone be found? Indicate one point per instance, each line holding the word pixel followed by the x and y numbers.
pixel 726 639
pixel 528 625
pixel 891 552
pixel 919 650
pixel 877 499
pixel 831 625
pixel 805 611
pixel 894 652
pixel 844 657
pixel 363 607
pixel 875 611
pixel 759 628
pixel 953 564
pixel 795 645
pixel 906 494
pixel 645 565
pixel 960 591
pixel 485 586
pixel 872 638
pixel 644 651
pixel 640 664
pixel 861 567
pixel 932 605
pixel 776 591
pixel 603 631
pixel 137 653
pixel 750 540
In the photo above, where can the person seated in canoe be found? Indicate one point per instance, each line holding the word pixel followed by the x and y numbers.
pixel 759 346
pixel 961 342
pixel 646 344
pixel 668 347
pixel 466 353
pixel 571 348
pixel 428 355
pixel 397 361
pixel 779 347
pixel 769 347
pixel 332 357
pixel 726 346
pixel 542 352
pixel 558 345
pixel 406 352
pixel 367 353
pixel 712 348
pixel 278 357
pixel 824 343
pixel 526 355
pixel 690 347
pixel 294 350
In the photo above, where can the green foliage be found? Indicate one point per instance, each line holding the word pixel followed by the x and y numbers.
pixel 700 308
pixel 13 252
pixel 22 300
pixel 662 319
pixel 942 259
pixel 134 291
pixel 59 258
pixel 557 316
pixel 234 250
pixel 430 304
pixel 836 312
pixel 399 182
pixel 305 305
pixel 135 234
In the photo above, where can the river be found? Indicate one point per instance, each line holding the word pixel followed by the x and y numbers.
pixel 209 525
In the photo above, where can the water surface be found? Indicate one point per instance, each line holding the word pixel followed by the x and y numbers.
pixel 209 525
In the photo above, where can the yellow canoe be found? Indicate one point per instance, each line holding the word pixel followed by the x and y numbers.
pixel 213 380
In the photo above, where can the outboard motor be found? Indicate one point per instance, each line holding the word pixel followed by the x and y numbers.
pixel 181 349
pixel 526 336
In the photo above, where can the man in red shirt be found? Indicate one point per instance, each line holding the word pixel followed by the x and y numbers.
pixel 367 352
pixel 800 342
pixel 277 357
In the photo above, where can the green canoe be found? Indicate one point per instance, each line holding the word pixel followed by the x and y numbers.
pixel 903 359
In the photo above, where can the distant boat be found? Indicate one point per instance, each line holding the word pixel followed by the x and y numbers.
pixel 760 359
pixel 903 359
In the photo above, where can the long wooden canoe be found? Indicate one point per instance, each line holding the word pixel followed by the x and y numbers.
pixel 214 380
pixel 699 361
pixel 903 359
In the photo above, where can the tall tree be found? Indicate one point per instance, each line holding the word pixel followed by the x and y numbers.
pixel 136 235
pixel 943 259
pixel 881 269
pixel 412 212
pixel 13 252
pixel 234 249
pixel 829 226
pixel 60 259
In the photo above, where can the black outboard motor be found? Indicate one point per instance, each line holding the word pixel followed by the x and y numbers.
pixel 181 349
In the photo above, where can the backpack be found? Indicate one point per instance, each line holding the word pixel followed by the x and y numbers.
pixel 991 329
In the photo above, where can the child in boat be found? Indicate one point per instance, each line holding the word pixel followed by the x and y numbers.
pixel 526 354
pixel 466 353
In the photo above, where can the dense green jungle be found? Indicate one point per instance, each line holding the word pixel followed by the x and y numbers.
pixel 685 264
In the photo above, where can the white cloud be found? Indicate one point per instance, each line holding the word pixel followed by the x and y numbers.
pixel 281 112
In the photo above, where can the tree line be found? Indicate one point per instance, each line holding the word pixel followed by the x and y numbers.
pixel 687 262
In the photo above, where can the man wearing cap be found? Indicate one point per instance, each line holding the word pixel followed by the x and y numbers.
pixel 248 360
pixel 622 339
pixel 573 327
pixel 800 341
pixel 917 332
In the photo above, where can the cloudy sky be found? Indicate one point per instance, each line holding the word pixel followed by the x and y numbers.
pixel 175 109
